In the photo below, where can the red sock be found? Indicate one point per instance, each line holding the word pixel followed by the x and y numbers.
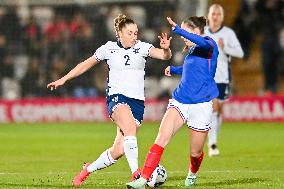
pixel 195 163
pixel 152 160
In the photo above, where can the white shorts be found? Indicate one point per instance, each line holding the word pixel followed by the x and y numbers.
pixel 197 116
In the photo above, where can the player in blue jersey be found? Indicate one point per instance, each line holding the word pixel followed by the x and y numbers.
pixel 126 60
pixel 191 102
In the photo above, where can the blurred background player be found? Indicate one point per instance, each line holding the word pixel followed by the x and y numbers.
pixel 126 59
pixel 229 46
pixel 192 99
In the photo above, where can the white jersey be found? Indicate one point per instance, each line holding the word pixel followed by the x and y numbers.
pixel 232 47
pixel 126 68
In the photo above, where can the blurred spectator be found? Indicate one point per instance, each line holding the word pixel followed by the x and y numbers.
pixel 55 28
pixel 42 15
pixel 12 30
pixel 33 82
pixel 243 26
pixel 21 64
pixel 281 58
pixel 7 68
pixel 3 49
pixel 9 86
pixel 10 25
pixel 137 13
pixel 53 32
pixel 2 54
pixel 270 20
pixel 84 40
pixel 32 36
pixel 113 12
pixel 57 69
pixel 77 23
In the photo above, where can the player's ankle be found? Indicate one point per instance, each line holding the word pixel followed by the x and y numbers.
pixel 213 146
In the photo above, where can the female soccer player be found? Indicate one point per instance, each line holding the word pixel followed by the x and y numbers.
pixel 126 60
pixel 192 99
pixel 229 46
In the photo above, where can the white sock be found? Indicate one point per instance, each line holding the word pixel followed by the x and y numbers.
pixel 105 160
pixel 212 134
pixel 131 152
pixel 220 121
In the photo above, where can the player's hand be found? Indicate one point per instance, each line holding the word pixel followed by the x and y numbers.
pixel 54 85
pixel 171 22
pixel 168 71
pixel 221 43
pixel 165 41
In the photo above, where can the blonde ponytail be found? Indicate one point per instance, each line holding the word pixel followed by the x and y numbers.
pixel 120 21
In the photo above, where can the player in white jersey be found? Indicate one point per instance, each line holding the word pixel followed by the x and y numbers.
pixel 126 60
pixel 229 46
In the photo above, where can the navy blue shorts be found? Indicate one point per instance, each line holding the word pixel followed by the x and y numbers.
pixel 136 106
pixel 224 91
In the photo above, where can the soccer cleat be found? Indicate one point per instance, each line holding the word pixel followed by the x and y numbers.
pixel 213 152
pixel 81 177
pixel 190 179
pixel 137 184
pixel 136 175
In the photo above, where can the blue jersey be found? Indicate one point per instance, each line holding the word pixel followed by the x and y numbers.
pixel 197 83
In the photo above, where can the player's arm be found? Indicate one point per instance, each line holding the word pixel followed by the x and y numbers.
pixel 197 39
pixel 163 53
pixel 173 70
pixel 75 72
pixel 176 70
pixel 233 48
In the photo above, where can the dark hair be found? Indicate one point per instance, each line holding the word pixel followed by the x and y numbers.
pixel 120 21
pixel 196 22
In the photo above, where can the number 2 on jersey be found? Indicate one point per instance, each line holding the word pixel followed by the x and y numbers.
pixel 127 59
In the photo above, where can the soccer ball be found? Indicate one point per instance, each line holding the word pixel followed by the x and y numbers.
pixel 158 177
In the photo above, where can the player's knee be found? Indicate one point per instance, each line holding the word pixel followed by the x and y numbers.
pixel 128 127
pixel 215 105
pixel 196 153
pixel 129 130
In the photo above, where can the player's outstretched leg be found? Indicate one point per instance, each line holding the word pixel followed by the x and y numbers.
pixel 137 184
pixel 103 161
pixel 81 177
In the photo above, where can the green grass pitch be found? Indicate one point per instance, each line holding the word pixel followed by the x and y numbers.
pixel 49 155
